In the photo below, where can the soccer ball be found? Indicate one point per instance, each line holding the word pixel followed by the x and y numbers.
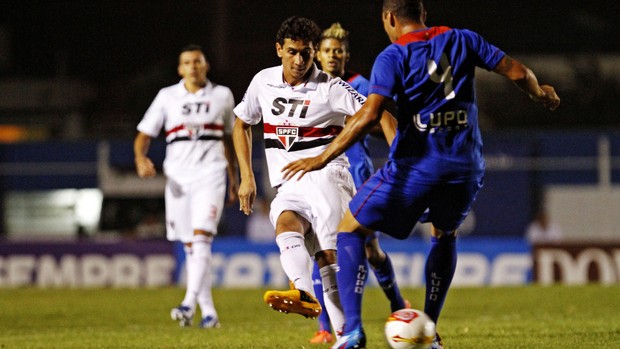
pixel 409 329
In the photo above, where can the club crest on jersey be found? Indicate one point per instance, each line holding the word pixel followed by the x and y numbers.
pixel 193 130
pixel 287 135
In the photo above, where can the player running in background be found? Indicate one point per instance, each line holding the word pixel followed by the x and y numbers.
pixel 435 167
pixel 333 55
pixel 302 109
pixel 196 115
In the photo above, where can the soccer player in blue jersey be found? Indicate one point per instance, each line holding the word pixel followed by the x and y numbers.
pixel 435 167
pixel 333 54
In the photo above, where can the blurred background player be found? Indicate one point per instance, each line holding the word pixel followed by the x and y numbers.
pixel 333 54
pixel 196 115
pixel 435 167
pixel 302 109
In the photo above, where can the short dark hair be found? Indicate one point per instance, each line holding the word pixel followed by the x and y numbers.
pixel 405 9
pixel 191 47
pixel 298 28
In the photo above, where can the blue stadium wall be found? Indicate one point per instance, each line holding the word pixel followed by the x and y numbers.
pixel 492 252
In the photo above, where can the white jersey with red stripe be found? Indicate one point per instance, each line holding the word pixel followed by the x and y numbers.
pixel 299 121
pixel 194 124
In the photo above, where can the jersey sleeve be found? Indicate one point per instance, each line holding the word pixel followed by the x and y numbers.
pixel 360 83
pixel 155 116
pixel 249 109
pixel 345 99
pixel 385 75
pixel 488 56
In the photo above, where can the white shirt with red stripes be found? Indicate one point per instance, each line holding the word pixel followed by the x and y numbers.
pixel 194 125
pixel 299 121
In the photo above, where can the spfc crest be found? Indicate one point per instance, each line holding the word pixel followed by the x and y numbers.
pixel 193 130
pixel 287 135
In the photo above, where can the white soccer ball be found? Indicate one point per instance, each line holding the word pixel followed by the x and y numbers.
pixel 409 329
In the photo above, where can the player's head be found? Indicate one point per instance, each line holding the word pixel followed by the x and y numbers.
pixel 406 10
pixel 333 52
pixel 295 45
pixel 402 11
pixel 193 65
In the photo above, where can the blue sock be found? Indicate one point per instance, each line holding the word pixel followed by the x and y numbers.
pixel 387 280
pixel 351 276
pixel 317 283
pixel 439 270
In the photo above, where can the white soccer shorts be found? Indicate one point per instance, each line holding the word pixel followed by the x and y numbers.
pixel 194 205
pixel 322 198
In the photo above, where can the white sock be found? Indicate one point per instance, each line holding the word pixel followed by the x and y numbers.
pixel 331 298
pixel 197 264
pixel 205 298
pixel 295 260
pixel 188 271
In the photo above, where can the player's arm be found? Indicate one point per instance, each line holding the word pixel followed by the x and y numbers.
pixel 144 165
pixel 232 168
pixel 526 80
pixel 242 139
pixel 388 125
pixel 358 126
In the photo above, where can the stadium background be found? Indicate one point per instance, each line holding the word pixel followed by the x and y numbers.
pixel 76 77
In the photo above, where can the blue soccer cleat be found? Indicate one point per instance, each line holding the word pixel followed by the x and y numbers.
pixel 183 315
pixel 355 339
pixel 437 342
pixel 210 321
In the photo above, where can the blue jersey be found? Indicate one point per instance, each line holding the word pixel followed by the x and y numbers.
pixel 430 73
pixel 359 157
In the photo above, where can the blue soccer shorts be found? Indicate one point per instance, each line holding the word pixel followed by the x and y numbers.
pixel 393 202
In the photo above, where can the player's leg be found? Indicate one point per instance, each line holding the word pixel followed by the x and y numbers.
pixel 326 260
pixel 184 313
pixel 447 211
pixel 199 278
pixel 294 257
pixel 178 228
pixel 439 270
pixel 324 333
pixel 333 190
pixel 207 204
pixel 383 204
pixel 381 265
pixel 202 252
pixel 295 260
pixel 352 275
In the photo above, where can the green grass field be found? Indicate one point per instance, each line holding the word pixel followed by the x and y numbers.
pixel 480 318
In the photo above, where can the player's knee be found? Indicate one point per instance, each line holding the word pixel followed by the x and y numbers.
pixel 443 234
pixel 375 257
pixel 325 257
pixel 374 253
pixel 349 223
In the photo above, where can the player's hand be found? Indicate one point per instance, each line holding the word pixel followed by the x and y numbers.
pixel 247 196
pixel 302 167
pixel 551 100
pixel 145 167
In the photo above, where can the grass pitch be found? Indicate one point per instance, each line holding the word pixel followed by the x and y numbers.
pixel 480 318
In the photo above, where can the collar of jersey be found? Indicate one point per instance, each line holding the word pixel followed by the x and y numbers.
pixel 310 84
pixel 421 35
pixel 182 91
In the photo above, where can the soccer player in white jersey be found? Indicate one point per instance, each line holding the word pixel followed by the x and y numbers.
pixel 196 115
pixel 302 109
